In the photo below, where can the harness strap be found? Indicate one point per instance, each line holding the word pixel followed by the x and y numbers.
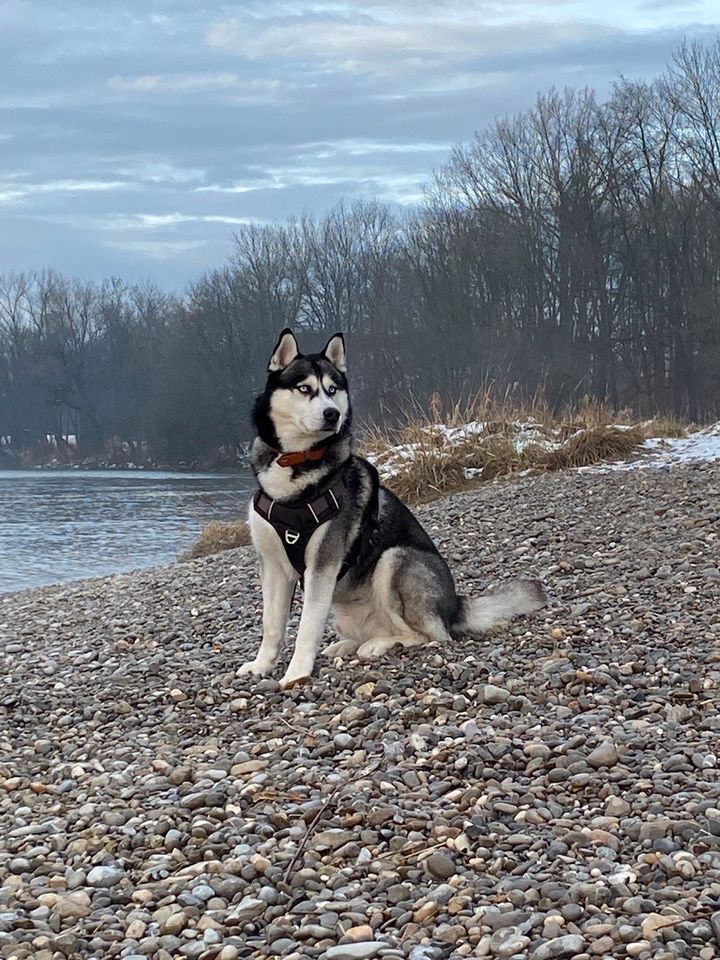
pixel 296 524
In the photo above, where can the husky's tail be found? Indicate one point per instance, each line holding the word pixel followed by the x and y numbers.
pixel 498 605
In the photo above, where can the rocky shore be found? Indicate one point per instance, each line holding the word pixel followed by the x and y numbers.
pixel 551 790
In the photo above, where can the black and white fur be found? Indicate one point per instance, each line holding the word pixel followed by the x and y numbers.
pixel 399 590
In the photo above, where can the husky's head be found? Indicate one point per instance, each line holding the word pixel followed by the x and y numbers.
pixel 306 396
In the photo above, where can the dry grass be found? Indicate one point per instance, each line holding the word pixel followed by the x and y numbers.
pixel 436 468
pixel 420 460
pixel 665 427
pixel 430 475
pixel 217 536
pixel 594 445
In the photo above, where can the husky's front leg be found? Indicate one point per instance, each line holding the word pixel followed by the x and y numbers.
pixel 319 587
pixel 277 591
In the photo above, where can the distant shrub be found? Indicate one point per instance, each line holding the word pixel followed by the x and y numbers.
pixel 217 536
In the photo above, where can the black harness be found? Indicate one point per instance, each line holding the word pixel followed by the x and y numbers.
pixel 297 523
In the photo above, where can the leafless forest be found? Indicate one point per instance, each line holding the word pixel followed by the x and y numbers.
pixel 573 248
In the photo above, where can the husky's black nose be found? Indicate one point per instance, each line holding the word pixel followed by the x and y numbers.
pixel 331 415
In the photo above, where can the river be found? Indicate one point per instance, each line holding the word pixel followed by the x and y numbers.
pixel 58 525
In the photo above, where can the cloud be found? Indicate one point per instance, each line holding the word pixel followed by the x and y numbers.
pixel 147 170
pixel 360 44
pixel 174 82
pixel 369 168
pixel 156 249
pixel 191 88
pixel 146 133
pixel 17 191
pixel 162 221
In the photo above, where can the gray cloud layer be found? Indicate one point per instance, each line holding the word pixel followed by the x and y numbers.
pixel 134 141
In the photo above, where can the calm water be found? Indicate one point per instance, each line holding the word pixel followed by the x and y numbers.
pixel 65 525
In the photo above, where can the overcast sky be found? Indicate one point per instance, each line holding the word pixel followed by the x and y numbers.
pixel 135 137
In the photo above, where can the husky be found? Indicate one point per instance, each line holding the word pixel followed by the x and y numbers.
pixel 320 516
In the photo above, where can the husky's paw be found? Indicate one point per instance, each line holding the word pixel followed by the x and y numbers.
pixel 258 668
pixel 291 680
pixel 376 647
pixel 341 648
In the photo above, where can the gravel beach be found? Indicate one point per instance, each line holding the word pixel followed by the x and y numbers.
pixel 552 790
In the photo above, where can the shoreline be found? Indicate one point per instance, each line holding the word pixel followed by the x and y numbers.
pixel 102 466
pixel 551 788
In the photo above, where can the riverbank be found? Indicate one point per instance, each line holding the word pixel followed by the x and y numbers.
pixel 549 790
pixel 90 464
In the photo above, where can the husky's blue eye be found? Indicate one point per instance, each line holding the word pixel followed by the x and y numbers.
pixel 331 391
pixel 303 388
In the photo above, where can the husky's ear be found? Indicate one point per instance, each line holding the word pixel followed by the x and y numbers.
pixel 335 351
pixel 286 349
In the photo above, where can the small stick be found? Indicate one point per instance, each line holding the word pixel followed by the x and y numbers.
pixel 316 819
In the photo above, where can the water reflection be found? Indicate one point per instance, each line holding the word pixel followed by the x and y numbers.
pixel 65 525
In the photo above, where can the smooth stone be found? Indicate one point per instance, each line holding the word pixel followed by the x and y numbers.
pixel 76 904
pixel 637 948
pixel 441 866
pixel 507 942
pixel 559 947
pixel 248 909
pixel 105 876
pixel 715 924
pixel 489 693
pixel 604 755
pixel 353 951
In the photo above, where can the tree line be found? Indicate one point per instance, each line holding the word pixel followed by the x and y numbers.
pixel 574 248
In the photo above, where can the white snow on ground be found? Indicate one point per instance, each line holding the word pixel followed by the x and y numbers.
pixel 702 445
pixel 441 437
pixel 526 432
pixel 657 452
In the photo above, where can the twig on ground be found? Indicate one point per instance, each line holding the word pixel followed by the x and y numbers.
pixel 323 809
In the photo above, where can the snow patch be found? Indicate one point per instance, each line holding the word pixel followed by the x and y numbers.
pixel 702 446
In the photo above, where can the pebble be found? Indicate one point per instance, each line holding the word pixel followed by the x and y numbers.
pixel 441 865
pixel 74 905
pixel 352 951
pixel 564 946
pixel 547 790
pixel 248 909
pixel 604 755
pixel 617 807
pixel 104 876
pixel 715 923
pixel 489 693
pixel 508 942
pixel 638 948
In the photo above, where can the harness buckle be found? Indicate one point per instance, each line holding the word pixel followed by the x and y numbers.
pixel 291 537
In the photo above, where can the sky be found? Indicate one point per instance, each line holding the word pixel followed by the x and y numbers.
pixel 135 138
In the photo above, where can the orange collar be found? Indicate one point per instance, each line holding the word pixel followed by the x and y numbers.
pixel 302 456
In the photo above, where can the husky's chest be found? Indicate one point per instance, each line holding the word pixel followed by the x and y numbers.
pixel 280 484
